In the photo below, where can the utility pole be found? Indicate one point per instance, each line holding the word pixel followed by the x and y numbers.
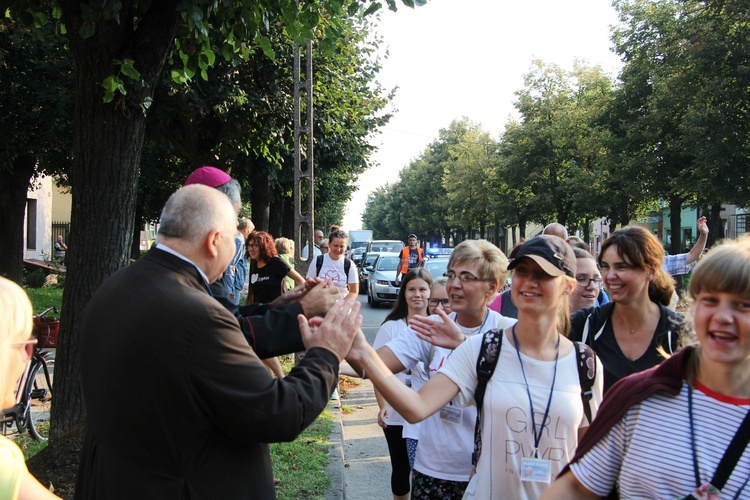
pixel 304 188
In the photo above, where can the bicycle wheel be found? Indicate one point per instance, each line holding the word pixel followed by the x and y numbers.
pixel 39 393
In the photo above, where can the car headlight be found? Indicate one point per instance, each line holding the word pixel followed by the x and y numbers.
pixel 382 282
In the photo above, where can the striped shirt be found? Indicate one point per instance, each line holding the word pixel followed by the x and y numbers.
pixel 648 454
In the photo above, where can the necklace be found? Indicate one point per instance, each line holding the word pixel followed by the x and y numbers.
pixel 631 332
pixel 478 329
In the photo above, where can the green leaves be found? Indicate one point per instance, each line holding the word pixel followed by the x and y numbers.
pixel 114 84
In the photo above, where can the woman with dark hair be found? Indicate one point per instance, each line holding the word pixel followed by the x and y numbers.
pixel 680 429
pixel 630 332
pixel 413 297
pixel 267 270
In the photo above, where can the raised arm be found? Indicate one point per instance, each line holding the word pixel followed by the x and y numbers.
pixel 700 245
pixel 413 406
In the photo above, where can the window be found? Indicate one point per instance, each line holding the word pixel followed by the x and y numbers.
pixel 30 224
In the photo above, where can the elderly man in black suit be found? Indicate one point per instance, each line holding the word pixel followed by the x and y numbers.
pixel 179 405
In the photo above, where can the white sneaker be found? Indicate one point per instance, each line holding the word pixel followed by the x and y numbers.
pixel 335 394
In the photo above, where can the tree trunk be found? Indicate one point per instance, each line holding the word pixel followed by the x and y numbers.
pixel 715 226
pixel 259 196
pixel 287 227
pixel 108 139
pixel 13 191
pixel 675 224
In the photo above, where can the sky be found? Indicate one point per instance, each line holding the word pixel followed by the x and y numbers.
pixel 456 58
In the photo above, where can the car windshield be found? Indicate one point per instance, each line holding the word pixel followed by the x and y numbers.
pixel 370 259
pixel 436 267
pixel 388 263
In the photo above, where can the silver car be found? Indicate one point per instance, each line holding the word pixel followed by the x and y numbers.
pixel 364 270
pixel 382 279
pixel 436 266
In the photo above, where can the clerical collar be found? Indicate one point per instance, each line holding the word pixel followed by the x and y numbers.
pixel 165 248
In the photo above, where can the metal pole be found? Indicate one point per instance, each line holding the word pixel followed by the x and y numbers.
pixel 304 202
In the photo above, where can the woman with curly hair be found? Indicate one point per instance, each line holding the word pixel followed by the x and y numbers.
pixel 267 270
pixel 266 276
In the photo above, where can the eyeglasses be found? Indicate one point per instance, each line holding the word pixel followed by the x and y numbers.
pixel 583 281
pixel 251 245
pixel 440 302
pixel 463 277
pixel 28 345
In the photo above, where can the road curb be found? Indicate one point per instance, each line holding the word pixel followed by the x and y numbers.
pixel 336 455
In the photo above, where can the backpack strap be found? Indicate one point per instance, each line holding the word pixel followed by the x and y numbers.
pixel 318 265
pixel 486 363
pixel 347 266
pixel 586 361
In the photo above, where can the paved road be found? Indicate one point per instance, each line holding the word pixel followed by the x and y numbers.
pixel 367 469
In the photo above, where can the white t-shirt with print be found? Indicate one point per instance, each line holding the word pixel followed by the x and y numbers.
pixel 506 423
pixel 334 269
pixel 446 439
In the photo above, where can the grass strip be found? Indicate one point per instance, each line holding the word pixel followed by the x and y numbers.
pixel 300 467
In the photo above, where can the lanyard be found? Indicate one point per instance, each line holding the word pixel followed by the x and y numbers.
pixel 486 315
pixel 696 469
pixel 537 437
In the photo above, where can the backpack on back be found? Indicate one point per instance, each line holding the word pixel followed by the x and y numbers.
pixel 489 353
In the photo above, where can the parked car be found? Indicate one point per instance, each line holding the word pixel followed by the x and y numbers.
pixel 382 279
pixel 437 266
pixel 365 268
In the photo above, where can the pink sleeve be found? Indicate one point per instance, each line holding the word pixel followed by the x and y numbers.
pixel 496 303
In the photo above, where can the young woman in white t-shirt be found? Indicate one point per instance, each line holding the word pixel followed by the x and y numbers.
pixel 412 299
pixel 533 413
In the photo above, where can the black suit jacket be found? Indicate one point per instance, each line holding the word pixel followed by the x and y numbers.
pixel 179 405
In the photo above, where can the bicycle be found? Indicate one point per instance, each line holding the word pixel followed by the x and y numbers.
pixel 34 393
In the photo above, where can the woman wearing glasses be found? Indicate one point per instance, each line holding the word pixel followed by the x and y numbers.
pixel 16 348
pixel 266 273
pixel 533 412
pixel 442 467
pixel 629 332
pixel 412 299
pixel 588 281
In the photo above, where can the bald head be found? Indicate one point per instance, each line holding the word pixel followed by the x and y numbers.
pixel 200 223
pixel 556 229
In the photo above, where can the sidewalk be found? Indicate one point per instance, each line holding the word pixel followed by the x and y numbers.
pixel 364 472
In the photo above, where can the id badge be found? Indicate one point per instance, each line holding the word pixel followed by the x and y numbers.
pixel 536 470
pixel 706 492
pixel 451 415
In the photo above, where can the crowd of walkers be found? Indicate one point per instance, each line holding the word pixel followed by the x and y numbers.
pixel 579 381
pixel 558 389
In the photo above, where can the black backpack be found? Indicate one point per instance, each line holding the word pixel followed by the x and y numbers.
pixel 489 353
pixel 319 264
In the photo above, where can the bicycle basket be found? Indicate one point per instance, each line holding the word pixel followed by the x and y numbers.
pixel 45 330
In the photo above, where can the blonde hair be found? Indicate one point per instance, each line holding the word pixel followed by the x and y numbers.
pixel 491 261
pixel 283 245
pixel 563 311
pixel 725 269
pixel 15 325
